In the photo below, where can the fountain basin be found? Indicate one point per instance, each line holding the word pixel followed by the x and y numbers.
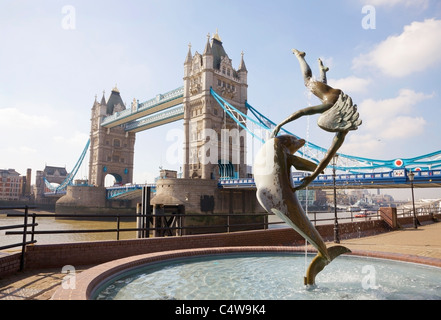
pixel 364 281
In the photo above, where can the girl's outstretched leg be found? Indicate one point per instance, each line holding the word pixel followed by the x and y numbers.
pixel 319 89
pixel 323 71
pixel 306 70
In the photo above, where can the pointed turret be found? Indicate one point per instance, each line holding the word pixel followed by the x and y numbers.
pixel 95 102
pixel 115 103
pixel 189 57
pixel 218 51
pixel 188 61
pixel 207 57
pixel 208 50
pixel 242 67
pixel 217 37
pixel 103 99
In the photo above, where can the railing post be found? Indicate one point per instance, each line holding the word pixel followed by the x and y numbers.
pixel 181 212
pixel 139 221
pixel 33 227
pixel 118 219
pixel 23 247
pixel 265 221
pixel 146 211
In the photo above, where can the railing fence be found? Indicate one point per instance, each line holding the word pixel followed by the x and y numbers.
pixel 163 224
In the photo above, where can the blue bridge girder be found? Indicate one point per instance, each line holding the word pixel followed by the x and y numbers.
pixel 55 194
pixel 384 180
pixel 127 192
pixel 131 116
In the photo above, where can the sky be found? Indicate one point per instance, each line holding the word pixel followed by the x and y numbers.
pixel 57 55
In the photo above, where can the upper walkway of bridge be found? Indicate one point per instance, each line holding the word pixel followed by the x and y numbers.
pixel 149 114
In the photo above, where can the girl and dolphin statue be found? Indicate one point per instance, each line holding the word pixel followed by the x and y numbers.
pixel 272 167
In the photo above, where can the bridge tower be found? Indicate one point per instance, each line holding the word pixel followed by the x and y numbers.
pixel 215 146
pixel 111 149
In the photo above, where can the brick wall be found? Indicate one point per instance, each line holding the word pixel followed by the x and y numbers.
pixel 78 254
pixel 9 264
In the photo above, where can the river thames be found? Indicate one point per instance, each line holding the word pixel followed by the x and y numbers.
pixel 51 223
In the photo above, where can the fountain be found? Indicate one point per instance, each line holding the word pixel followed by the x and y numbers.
pixel 269 276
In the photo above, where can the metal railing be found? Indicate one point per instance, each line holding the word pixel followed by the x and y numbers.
pixel 24 232
pixel 175 225
pixel 228 226
pixel 169 225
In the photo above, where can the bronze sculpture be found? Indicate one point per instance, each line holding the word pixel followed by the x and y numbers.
pixel 338 113
pixel 272 168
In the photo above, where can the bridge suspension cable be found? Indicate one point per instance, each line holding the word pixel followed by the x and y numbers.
pixel 71 175
pixel 313 152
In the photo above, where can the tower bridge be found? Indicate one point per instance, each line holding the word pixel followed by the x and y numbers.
pixel 213 104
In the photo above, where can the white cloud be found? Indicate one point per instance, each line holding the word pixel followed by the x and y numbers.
pixel 14 119
pixel 415 49
pixel 366 145
pixel 379 113
pixel 21 151
pixel 76 139
pixel 350 84
pixel 387 123
pixel 404 127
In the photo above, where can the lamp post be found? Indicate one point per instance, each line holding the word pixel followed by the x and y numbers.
pixel 411 176
pixel 336 233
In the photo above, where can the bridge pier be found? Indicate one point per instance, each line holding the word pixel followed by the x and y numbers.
pixel 200 196
pixel 90 200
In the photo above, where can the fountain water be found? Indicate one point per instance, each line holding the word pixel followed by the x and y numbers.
pixel 269 276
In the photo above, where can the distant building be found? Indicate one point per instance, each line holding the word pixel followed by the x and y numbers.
pixel 10 185
pixel 55 174
pixel 51 174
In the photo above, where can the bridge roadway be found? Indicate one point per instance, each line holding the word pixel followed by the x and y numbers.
pixel 384 180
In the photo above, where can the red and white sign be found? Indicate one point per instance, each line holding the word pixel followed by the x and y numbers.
pixel 398 163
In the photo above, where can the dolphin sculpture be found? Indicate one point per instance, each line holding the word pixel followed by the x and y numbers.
pixel 276 194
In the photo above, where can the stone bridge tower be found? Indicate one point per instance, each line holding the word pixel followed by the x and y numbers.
pixel 215 146
pixel 111 150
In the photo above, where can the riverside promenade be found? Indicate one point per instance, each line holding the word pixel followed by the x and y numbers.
pixel 408 244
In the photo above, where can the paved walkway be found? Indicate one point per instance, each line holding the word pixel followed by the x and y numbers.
pixel 424 241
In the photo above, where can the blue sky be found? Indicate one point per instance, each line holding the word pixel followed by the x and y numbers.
pixel 49 75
